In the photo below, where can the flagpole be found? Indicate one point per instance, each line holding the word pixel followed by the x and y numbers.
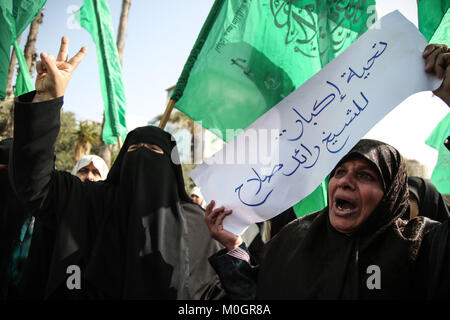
pixel 119 142
pixel 167 112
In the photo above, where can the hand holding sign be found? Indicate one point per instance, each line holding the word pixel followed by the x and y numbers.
pixel 317 124
pixel 437 58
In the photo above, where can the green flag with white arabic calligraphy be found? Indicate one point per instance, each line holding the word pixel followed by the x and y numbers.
pixel 94 16
pixel 249 55
pixel 441 173
pixel 15 16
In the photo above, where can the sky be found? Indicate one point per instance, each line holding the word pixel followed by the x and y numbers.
pixel 160 36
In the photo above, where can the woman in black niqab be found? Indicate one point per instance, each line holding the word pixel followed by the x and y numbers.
pixel 132 235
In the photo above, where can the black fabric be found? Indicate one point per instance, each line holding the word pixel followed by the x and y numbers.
pixel 309 259
pixel 237 276
pixel 129 234
pixel 278 222
pixel 12 216
pixel 436 268
pixel 5 147
pixel 431 202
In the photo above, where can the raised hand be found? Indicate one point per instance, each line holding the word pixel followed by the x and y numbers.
pixel 214 219
pixel 54 75
pixel 437 61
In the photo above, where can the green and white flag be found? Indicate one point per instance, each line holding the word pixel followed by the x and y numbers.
pixel 95 17
pixel 251 54
pixel 441 173
pixel 15 16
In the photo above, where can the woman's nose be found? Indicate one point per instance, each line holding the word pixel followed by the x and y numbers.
pixel 347 182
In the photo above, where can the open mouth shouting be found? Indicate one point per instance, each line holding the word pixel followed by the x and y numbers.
pixel 344 206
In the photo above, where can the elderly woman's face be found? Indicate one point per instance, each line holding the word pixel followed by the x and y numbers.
pixel 353 193
pixel 89 172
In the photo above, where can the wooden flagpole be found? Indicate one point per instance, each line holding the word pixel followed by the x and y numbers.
pixel 119 142
pixel 167 112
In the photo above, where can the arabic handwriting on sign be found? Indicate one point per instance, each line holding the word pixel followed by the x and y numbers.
pixel 259 183
pixel 369 65
pixel 332 137
pixel 305 159
pixel 238 62
pixel 317 109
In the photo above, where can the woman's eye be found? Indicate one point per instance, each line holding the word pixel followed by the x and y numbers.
pixel 339 173
pixel 157 150
pixel 366 176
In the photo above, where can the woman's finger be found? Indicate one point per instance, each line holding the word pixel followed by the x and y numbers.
pixel 432 56
pixel 442 63
pixel 49 63
pixel 210 207
pixel 222 216
pixel 76 59
pixel 215 213
pixel 63 49
pixel 40 68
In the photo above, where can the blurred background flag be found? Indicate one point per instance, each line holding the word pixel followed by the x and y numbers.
pixel 95 17
pixel 15 16
pixel 441 173
pixel 434 20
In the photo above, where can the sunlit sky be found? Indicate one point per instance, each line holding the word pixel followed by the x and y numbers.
pixel 160 35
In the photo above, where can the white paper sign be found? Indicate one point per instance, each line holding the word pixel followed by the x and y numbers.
pixel 285 154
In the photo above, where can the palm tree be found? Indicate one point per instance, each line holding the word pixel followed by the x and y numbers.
pixel 87 136
pixel 30 47
pixel 123 23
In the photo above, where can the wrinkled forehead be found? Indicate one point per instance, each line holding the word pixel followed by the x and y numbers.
pixel 150 134
pixel 381 157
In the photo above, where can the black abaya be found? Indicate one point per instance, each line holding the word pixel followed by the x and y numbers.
pixel 129 234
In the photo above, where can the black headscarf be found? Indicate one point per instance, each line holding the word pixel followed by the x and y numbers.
pixel 309 259
pixel 431 202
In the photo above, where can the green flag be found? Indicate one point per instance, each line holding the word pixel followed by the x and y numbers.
pixel 434 20
pixel 23 81
pixel 15 16
pixel 94 16
pixel 316 201
pixel 441 173
pixel 251 54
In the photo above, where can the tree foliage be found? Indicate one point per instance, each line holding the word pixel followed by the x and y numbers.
pixel 65 142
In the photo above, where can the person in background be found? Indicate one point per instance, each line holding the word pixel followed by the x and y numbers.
pixel 90 167
pixel 426 200
pixel 197 197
